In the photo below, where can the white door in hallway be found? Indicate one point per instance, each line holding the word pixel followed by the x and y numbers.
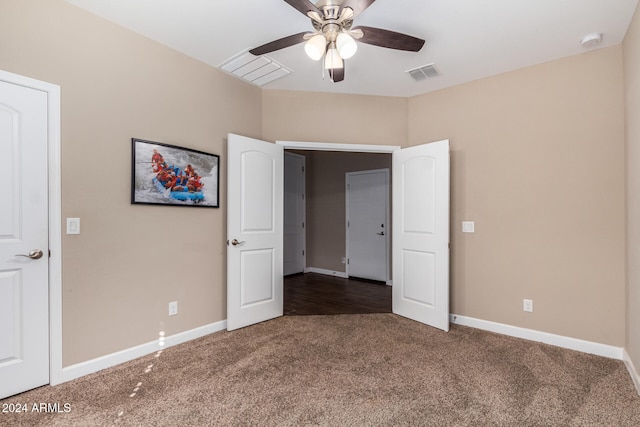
pixel 254 231
pixel 294 214
pixel 421 233
pixel 24 268
pixel 367 225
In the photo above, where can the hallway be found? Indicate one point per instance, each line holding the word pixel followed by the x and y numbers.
pixel 314 293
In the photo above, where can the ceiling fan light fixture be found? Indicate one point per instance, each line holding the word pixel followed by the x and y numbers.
pixel 316 46
pixel 346 45
pixel 332 59
pixel 333 38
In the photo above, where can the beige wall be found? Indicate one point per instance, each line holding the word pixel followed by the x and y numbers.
pixel 130 260
pixel 326 203
pixel 632 109
pixel 326 117
pixel 538 164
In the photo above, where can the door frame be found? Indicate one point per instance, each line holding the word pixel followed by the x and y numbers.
pixel 55 217
pixel 387 210
pixel 331 146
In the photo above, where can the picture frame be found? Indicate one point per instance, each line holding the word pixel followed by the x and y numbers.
pixel 164 174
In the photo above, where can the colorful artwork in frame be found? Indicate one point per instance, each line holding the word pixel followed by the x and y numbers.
pixel 164 174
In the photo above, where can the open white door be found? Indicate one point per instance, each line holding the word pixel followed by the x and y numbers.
pixel 24 245
pixel 254 226
pixel 421 233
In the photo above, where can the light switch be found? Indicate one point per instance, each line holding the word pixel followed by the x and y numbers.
pixel 468 226
pixel 73 225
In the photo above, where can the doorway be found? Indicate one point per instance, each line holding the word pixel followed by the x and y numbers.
pixel 326 206
pixel 420 221
pixel 327 285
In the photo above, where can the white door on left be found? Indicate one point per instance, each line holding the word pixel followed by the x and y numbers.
pixel 24 268
pixel 254 227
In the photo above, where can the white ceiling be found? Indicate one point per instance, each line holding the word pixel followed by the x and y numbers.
pixel 466 39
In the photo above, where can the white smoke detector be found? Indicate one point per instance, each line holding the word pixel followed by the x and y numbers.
pixel 591 40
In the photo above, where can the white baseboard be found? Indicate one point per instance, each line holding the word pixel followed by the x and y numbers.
pixel 90 366
pixel 326 272
pixel 598 349
pixel 632 370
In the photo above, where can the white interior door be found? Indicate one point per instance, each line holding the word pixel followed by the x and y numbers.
pixel 24 286
pixel 421 233
pixel 254 231
pixel 367 202
pixel 294 214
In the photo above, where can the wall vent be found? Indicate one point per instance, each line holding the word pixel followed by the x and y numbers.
pixel 257 70
pixel 425 72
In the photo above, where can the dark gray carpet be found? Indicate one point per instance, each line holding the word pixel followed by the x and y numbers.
pixel 347 370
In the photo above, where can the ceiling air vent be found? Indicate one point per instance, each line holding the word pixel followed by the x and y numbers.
pixel 257 70
pixel 425 72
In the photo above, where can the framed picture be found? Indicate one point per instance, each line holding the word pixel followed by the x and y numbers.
pixel 163 174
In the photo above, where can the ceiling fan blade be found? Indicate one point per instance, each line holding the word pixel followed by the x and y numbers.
pixel 390 39
pixel 358 6
pixel 304 6
pixel 279 44
pixel 336 74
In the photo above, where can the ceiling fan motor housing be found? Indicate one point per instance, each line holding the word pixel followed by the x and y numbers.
pixel 333 21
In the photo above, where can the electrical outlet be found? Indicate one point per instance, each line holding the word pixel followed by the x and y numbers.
pixel 527 305
pixel 173 308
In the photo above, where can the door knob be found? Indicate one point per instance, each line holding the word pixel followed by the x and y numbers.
pixel 34 254
pixel 235 242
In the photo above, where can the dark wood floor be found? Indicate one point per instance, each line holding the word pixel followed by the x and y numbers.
pixel 313 293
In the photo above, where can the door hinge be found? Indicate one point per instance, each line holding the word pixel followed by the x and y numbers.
pixel 303 169
pixel 49 253
pixel 303 225
pixel 303 253
pixel 347 260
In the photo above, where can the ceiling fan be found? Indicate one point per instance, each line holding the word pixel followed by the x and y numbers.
pixel 334 36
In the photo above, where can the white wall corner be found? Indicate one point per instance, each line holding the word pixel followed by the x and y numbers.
pixel 90 366
pixel 632 370
pixel 590 347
